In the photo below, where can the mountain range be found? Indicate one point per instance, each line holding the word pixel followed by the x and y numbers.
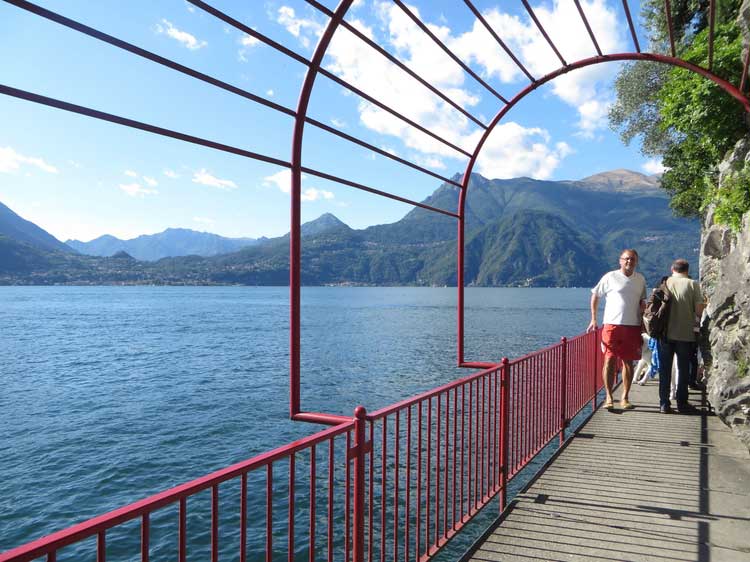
pixel 171 242
pixel 519 232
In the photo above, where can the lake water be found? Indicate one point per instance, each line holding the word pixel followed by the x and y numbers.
pixel 110 394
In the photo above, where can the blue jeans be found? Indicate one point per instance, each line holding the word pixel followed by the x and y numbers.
pixel 666 350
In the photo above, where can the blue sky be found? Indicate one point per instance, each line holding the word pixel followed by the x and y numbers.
pixel 81 178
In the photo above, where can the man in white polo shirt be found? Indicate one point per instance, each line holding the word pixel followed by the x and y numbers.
pixel 625 293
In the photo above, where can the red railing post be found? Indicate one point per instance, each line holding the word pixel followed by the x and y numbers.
pixel 563 388
pixel 504 411
pixel 359 453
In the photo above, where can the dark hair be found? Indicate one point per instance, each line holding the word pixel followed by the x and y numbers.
pixel 680 266
pixel 632 251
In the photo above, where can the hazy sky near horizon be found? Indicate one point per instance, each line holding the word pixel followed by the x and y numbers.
pixel 80 178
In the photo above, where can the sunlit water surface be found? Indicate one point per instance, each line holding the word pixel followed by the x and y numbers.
pixel 110 394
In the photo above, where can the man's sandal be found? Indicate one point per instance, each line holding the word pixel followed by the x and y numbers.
pixel 625 405
pixel 608 405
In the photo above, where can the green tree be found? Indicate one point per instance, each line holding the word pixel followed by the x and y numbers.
pixel 686 119
pixel 703 121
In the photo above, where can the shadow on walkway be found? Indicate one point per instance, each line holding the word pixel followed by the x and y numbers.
pixel 634 486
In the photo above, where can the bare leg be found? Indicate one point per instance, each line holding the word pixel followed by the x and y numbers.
pixel 608 372
pixel 627 379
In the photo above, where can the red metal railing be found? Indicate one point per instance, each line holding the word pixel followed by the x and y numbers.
pixel 394 485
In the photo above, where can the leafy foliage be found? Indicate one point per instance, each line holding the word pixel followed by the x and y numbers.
pixel 677 114
pixel 636 112
pixel 706 121
pixel 732 198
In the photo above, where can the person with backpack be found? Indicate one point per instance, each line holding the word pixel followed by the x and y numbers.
pixel 625 292
pixel 686 304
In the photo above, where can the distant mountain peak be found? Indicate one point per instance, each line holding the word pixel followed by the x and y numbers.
pixel 122 255
pixel 618 174
pixel 323 223
pixel 18 228
pixel 621 180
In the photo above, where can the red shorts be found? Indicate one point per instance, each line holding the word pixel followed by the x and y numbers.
pixel 623 342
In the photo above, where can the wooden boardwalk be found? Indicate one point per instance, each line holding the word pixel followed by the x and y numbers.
pixel 633 486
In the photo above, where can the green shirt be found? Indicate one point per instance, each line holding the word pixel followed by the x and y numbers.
pixel 686 295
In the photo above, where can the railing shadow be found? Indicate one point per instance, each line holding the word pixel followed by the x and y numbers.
pixel 587 503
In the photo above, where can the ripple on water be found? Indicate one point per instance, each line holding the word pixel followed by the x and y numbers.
pixel 111 394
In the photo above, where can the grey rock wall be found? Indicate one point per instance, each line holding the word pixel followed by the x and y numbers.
pixel 725 277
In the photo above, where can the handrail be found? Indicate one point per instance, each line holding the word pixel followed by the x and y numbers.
pixel 423 467
pixel 136 509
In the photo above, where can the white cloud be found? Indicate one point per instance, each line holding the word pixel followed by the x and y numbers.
pixel 363 67
pixel 171 174
pixel 204 221
pixel 512 150
pixel 186 39
pixel 313 194
pixel 131 173
pixel 247 42
pixel 586 90
pixel 593 116
pixel 75 164
pixel 303 29
pixel 563 23
pixel 339 123
pixel 430 162
pixel 151 182
pixel 283 182
pixel 480 47
pixel 653 166
pixel 190 7
pixel 137 190
pixel 270 93
pixel 281 179
pixel 10 160
pixel 204 178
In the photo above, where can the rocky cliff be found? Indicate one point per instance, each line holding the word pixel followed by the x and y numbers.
pixel 725 277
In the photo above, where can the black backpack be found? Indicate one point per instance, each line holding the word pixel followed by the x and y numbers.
pixel 656 315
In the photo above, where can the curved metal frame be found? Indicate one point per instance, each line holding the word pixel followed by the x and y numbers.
pixel 295 250
pixel 306 92
pixel 300 117
pixel 726 86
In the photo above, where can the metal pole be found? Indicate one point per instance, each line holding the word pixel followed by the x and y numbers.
pixel 563 389
pixel 295 233
pixel 359 453
pixel 504 411
pixel 460 269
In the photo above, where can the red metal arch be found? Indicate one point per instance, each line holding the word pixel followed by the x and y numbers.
pixel 337 18
pixel 295 249
pixel 674 61
pixel 301 119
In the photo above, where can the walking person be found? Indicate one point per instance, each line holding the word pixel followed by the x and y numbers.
pixel 687 303
pixel 625 292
